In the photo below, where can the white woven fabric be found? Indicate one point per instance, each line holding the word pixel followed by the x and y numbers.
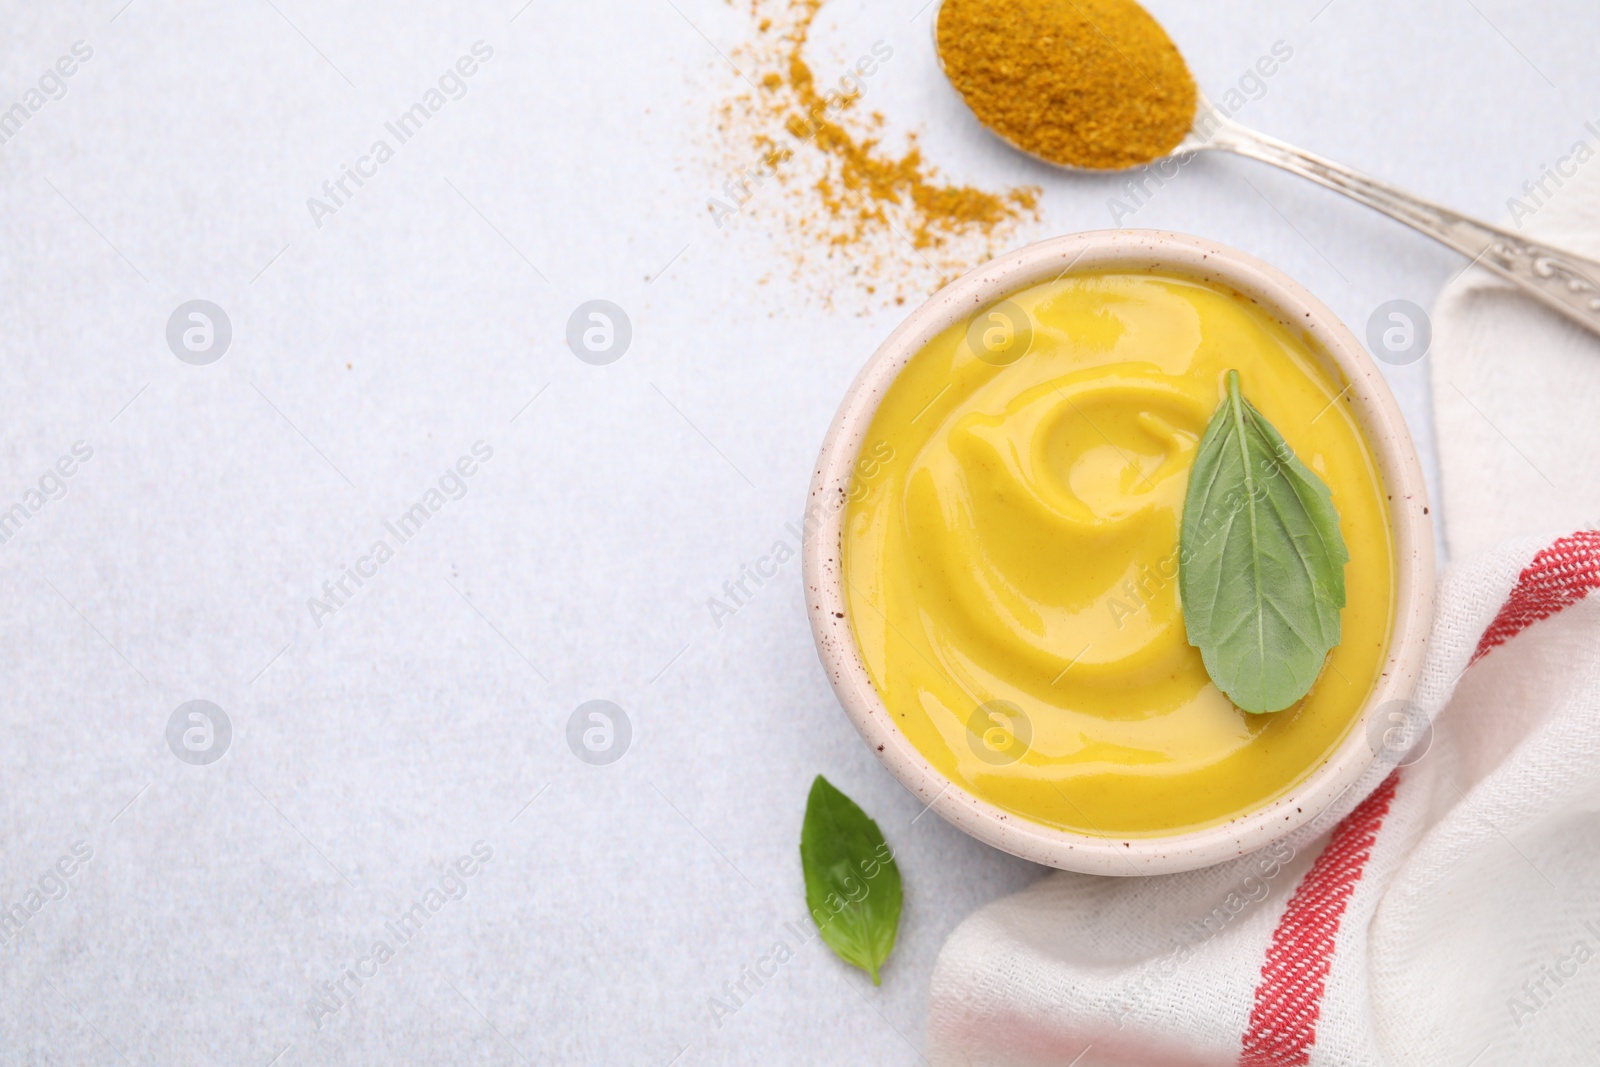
pixel 1516 390
pixel 1449 914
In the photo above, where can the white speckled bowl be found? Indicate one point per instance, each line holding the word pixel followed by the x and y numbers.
pixel 1375 412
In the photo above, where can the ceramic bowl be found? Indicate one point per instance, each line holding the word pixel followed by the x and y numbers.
pixel 1375 412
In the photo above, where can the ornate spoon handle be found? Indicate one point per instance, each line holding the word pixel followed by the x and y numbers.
pixel 1567 282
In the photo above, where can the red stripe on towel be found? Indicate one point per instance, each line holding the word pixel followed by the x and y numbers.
pixel 1283 1023
pixel 1557 577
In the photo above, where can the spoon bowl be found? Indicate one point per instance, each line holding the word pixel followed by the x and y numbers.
pixel 1566 282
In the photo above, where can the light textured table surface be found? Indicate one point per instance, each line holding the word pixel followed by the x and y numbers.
pixel 373 746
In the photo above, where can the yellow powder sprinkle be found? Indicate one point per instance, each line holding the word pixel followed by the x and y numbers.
pixel 1087 83
pixel 802 154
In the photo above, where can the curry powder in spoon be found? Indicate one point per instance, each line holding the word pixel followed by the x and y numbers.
pixel 1085 83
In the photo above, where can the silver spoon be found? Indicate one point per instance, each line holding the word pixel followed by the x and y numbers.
pixel 1566 282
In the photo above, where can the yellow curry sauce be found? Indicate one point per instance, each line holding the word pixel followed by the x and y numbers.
pixel 1012 553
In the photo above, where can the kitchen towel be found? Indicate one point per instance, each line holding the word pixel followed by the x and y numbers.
pixel 1516 388
pixel 1447 910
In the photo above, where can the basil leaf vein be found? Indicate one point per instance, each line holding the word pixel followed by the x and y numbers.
pixel 852 881
pixel 1261 561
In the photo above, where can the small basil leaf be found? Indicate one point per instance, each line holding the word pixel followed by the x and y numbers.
pixel 852 881
pixel 1261 561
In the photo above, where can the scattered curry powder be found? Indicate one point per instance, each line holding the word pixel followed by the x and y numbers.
pixel 1087 83
pixel 877 179
pixel 884 216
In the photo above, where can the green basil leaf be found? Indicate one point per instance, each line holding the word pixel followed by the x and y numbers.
pixel 852 881
pixel 1261 561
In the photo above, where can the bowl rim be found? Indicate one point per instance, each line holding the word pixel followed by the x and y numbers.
pixel 1377 414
